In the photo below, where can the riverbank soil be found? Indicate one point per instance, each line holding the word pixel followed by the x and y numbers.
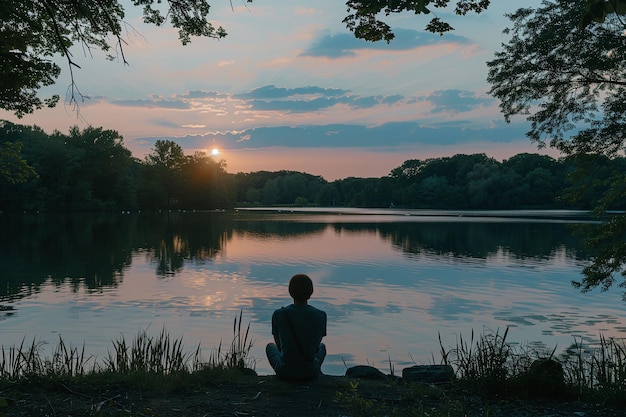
pixel 267 396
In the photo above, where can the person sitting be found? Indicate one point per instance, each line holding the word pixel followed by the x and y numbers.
pixel 298 329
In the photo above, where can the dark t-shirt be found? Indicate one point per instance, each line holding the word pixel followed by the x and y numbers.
pixel 309 324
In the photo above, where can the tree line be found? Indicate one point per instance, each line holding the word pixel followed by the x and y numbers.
pixel 91 170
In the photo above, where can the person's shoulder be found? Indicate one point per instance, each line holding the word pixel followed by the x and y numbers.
pixel 279 311
pixel 317 310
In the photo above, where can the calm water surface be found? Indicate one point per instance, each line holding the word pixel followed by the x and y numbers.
pixel 390 281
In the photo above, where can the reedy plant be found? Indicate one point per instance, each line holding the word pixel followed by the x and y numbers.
pixel 21 361
pixel 599 370
pixel 238 354
pixel 486 357
pixel 161 354
pixel 25 361
pixel 69 361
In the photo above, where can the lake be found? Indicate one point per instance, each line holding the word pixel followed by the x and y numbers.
pixel 391 281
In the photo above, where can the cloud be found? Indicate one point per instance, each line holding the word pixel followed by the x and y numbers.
pixel 302 105
pixel 456 101
pixel 273 92
pixel 388 135
pixel 308 99
pixel 196 94
pixel 346 45
pixel 295 105
pixel 163 123
pixel 155 103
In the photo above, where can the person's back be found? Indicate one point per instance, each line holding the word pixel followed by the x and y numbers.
pixel 298 330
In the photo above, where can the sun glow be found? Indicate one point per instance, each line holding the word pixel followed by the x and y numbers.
pixel 215 152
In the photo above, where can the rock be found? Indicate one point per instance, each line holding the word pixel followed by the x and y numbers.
pixel 248 372
pixel 365 372
pixel 430 374
pixel 545 378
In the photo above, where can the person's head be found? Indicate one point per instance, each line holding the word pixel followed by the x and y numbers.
pixel 300 288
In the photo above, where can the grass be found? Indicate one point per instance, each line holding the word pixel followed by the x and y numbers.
pixel 160 355
pixel 486 364
pixel 598 371
pixel 156 355
pixel 489 366
pixel 238 354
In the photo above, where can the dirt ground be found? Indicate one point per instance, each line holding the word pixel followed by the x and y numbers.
pixel 266 396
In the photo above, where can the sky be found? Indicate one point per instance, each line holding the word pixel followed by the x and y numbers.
pixel 290 88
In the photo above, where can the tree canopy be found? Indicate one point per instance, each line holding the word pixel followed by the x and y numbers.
pixel 564 69
pixel 364 19
pixel 568 79
pixel 32 32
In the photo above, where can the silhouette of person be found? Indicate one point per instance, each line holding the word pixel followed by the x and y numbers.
pixel 298 329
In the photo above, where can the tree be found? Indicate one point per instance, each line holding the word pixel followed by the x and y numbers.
pixel 165 164
pixel 364 22
pixel 105 165
pixel 597 10
pixel 564 68
pixel 270 192
pixel 204 179
pixel 569 80
pixel 13 168
pixel 32 32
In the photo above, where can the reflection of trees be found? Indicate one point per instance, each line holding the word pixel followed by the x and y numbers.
pixel 175 238
pixel 93 250
pixel 278 226
pixel 80 248
pixel 478 239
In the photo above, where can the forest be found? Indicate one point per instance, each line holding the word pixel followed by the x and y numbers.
pixel 91 170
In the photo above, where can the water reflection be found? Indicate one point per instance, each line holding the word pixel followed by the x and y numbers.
pixel 388 283
pixel 95 249
pixel 89 250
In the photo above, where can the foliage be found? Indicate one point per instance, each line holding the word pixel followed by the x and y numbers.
pixel 569 80
pixel 34 31
pixel 13 168
pixel 277 188
pixel 597 10
pixel 64 179
pixel 564 69
pixel 364 22
pixel 64 176
pixel 356 404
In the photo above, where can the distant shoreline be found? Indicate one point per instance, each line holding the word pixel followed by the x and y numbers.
pixel 580 215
